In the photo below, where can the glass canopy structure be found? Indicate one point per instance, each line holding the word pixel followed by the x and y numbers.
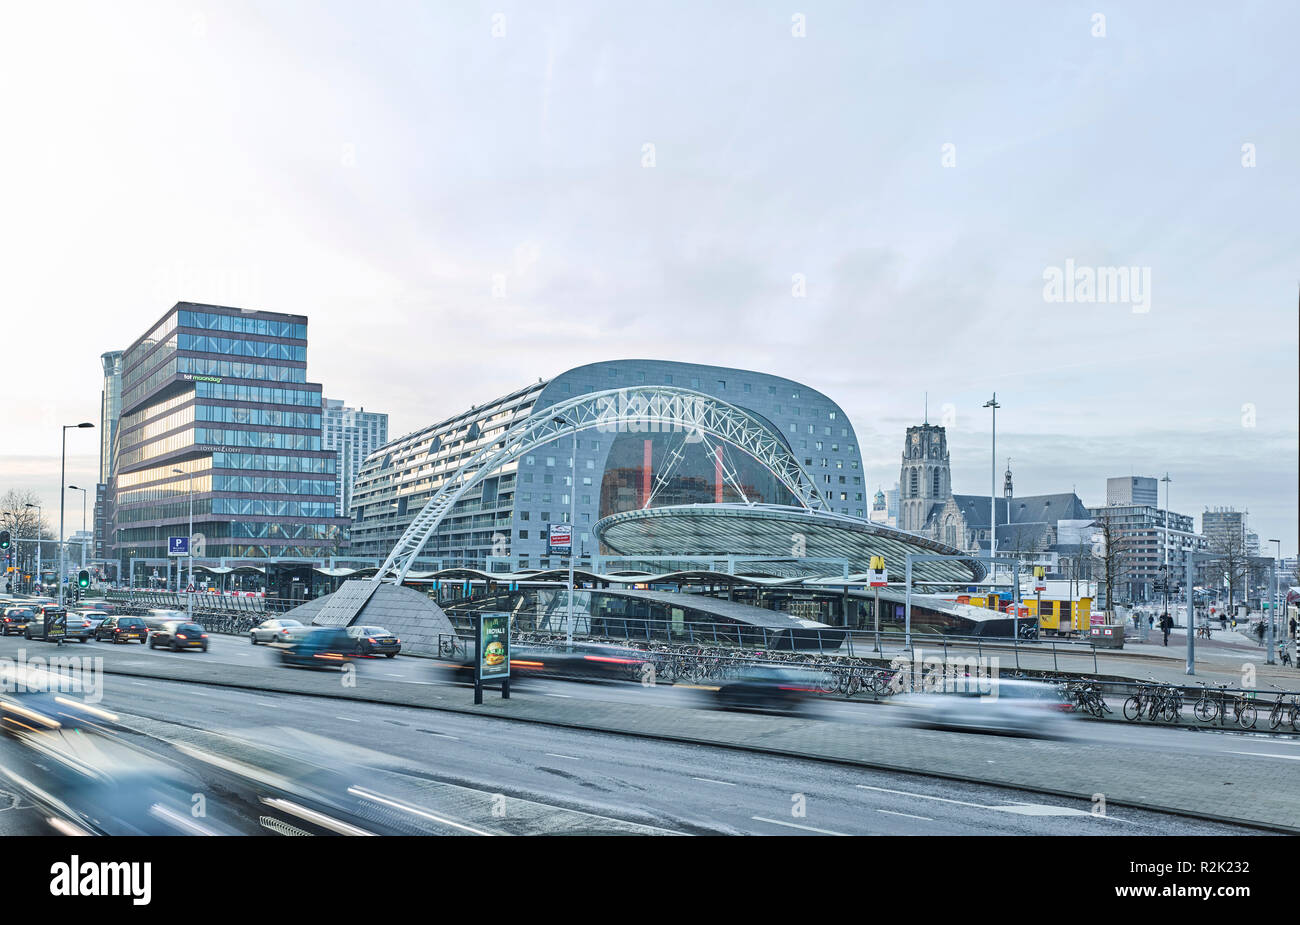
pixel 781 540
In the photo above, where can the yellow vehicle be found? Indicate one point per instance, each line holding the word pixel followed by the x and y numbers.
pixel 1062 617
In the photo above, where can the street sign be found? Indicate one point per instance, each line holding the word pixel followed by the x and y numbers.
pixel 559 538
pixel 879 577
pixel 178 545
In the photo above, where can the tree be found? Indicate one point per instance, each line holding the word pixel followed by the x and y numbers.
pixel 1230 563
pixel 1111 557
pixel 23 524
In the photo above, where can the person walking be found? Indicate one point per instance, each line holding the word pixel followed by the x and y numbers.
pixel 1166 624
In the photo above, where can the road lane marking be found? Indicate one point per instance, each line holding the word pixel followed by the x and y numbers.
pixel 565 696
pixel 710 780
pixel 890 812
pixel 921 796
pixel 569 757
pixel 1267 755
pixel 441 735
pixel 795 825
pixel 413 810
pixel 348 719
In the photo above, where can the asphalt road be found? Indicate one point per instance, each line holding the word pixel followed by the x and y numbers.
pixel 452 767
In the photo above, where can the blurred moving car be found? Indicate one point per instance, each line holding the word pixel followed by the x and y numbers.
pixel 178 635
pixel 768 689
pixel 274 630
pixel 16 620
pixel 1014 707
pixel 372 641
pixel 317 647
pixel 121 629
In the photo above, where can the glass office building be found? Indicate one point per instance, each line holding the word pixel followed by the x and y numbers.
pixel 215 400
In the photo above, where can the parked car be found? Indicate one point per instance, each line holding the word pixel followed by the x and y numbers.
pixel 274 630
pixel 317 647
pixel 177 635
pixel 121 629
pixel 374 640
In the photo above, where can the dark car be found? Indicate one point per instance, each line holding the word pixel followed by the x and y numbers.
pixel 767 688
pixel 177 635
pixel 122 629
pixel 75 626
pixel 16 620
pixel 374 640
pixel 317 647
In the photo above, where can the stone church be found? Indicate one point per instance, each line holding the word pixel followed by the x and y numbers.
pixel 1025 526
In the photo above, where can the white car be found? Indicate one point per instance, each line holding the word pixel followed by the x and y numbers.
pixel 272 631
pixel 1015 707
pixel 94 616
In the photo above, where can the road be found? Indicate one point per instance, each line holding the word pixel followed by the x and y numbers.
pixel 451 767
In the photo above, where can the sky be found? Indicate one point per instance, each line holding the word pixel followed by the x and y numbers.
pixel 880 200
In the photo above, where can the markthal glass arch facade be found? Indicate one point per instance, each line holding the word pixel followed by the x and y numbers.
pixel 505 518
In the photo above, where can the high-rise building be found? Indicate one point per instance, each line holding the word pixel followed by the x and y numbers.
pixel 110 406
pixel 1133 489
pixel 216 400
pixel 353 433
pixel 924 479
pixel 1138 533
pixel 1224 528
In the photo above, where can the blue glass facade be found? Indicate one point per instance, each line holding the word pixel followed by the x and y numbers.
pixel 221 394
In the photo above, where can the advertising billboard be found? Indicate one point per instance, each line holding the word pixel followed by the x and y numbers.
pixel 559 538
pixel 493 661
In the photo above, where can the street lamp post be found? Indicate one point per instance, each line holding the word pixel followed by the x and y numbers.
pixel 189 543
pixel 63 480
pixel 37 537
pixel 1277 603
pixel 83 523
pixel 993 489
pixel 573 507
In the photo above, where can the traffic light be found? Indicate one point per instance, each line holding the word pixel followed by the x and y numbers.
pixel 4 539
pixel 83 579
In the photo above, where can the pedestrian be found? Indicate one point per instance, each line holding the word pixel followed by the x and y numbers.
pixel 1166 624
pixel 1151 621
pixel 1293 627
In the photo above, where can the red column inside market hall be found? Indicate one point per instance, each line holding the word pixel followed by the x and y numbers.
pixel 717 475
pixel 645 476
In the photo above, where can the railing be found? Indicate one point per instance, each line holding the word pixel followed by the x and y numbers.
pixel 199 603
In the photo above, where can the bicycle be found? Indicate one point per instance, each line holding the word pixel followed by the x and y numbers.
pixel 1285 711
pixel 1213 705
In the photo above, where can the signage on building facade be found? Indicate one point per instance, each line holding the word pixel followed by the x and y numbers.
pixel 559 538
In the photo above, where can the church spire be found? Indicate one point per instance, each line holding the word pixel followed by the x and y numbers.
pixel 1006 485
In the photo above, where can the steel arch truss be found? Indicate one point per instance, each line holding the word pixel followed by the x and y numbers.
pixel 647 409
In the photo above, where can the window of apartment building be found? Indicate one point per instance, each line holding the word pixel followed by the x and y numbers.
pixel 523 534
pixel 523 515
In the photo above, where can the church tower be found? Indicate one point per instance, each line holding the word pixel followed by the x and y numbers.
pixel 924 480
pixel 1006 484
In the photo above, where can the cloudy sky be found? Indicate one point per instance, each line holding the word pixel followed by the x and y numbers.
pixel 868 197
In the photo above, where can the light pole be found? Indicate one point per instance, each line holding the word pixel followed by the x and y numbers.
pixel 1277 603
pixel 189 545
pixel 63 480
pixel 83 523
pixel 1167 480
pixel 573 507
pixel 37 537
pixel 993 490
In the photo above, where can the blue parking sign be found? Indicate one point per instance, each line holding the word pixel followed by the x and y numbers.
pixel 178 545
